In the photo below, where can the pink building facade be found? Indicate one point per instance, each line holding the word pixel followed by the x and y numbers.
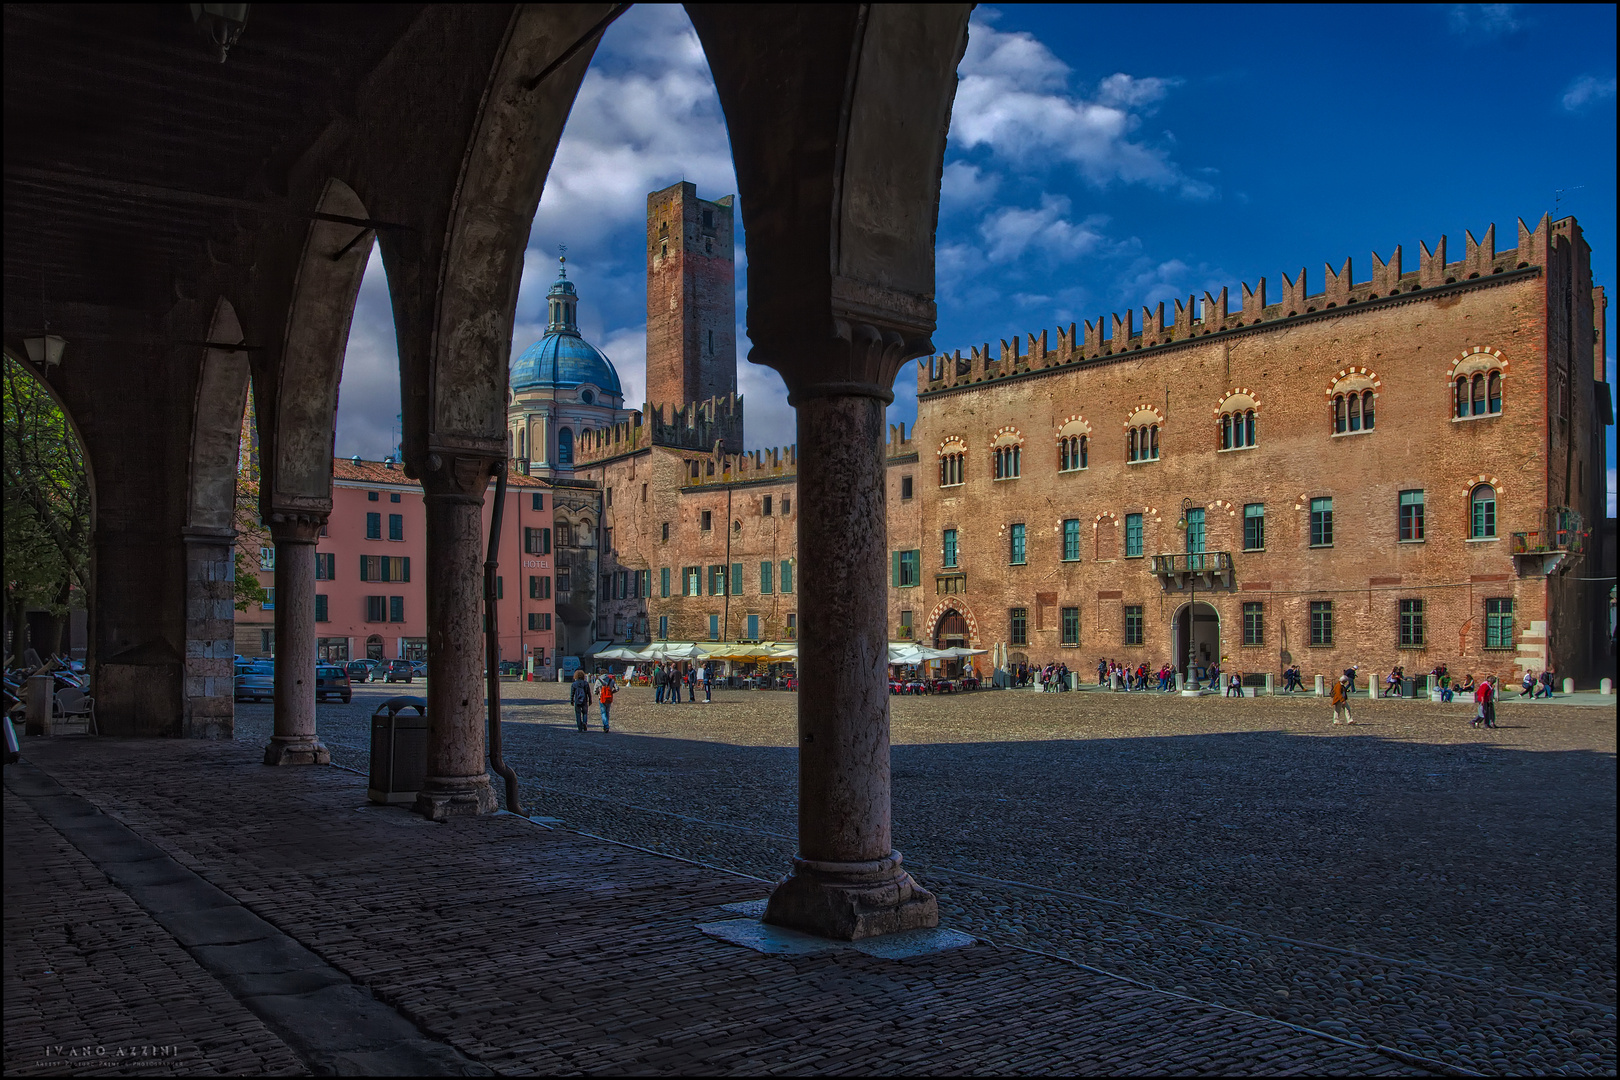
pixel 370 591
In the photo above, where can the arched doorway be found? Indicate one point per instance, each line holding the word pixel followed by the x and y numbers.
pixel 374 647
pixel 951 632
pixel 1195 637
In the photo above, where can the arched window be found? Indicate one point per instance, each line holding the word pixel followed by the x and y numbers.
pixel 1482 513
pixel 1248 427
pixel 1462 396
pixel 1236 414
pixel 565 446
pixel 1153 454
pixel 1339 423
pixel 1476 381
pixel 1131 446
pixel 1007 462
pixel 1352 393
pixel 1085 451
pixel 1494 394
pixel 1355 412
pixel 950 469
pixel 1477 393
pixel 523 443
pixel 1226 432
pixel 1367 410
pixel 1071 453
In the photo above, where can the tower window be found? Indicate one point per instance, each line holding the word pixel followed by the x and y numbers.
pixel 708 219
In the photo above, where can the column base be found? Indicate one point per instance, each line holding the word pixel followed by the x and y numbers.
pixel 443 798
pixel 296 750
pixel 850 901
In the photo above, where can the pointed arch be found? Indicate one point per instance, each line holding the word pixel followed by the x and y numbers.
pixel 222 389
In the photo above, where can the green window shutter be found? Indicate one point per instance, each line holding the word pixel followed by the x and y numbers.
pixel 894 569
pixel 363 576
pixel 407 575
pixel 735 585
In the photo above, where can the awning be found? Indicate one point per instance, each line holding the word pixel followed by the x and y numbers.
pixel 597 646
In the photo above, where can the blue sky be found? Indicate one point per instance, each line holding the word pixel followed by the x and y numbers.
pixel 1103 157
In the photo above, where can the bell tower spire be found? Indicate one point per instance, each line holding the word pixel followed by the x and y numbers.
pixel 562 302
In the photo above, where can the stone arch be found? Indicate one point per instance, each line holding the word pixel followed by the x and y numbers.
pixel 298 465
pixel 1143 415
pixel 960 607
pixel 1074 425
pixel 1007 436
pixel 1355 379
pixel 1479 358
pixel 1238 399
pixel 952 444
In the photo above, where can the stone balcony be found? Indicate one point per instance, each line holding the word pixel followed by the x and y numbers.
pixel 1205 569
pixel 1552 547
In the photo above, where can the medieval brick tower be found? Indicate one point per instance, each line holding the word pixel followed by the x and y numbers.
pixel 691 306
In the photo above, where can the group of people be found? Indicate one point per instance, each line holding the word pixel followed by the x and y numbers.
pixel 1484 693
pixel 1054 677
pixel 669 676
pixel 581 692
pixel 1535 686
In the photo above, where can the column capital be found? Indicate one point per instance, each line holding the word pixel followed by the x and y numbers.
pixel 860 355
pixel 300 526
pixel 459 475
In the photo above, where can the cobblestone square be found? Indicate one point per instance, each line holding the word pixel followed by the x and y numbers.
pixel 1408 881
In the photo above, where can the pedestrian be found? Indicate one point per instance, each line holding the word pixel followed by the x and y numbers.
pixel 1528 687
pixel 1215 675
pixel 691 684
pixel 1102 672
pixel 675 680
pixel 1341 699
pixel 604 697
pixel 658 684
pixel 1234 684
pixel 1485 702
pixel 579 695
pixel 1547 683
pixel 708 684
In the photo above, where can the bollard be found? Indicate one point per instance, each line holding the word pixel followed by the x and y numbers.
pixel 1271 684
pixel 1606 687
pixel 1372 686
pixel 1320 686
pixel 1113 680
pixel 1181 680
pixel 1569 686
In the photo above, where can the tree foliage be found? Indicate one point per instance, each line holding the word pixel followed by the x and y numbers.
pixel 47 499
pixel 251 534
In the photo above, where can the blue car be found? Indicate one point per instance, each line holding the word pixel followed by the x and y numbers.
pixel 257 682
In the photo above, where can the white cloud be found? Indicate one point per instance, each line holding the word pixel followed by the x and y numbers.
pixel 1485 21
pixel 966 186
pixel 1611 491
pixel 1588 90
pixel 1011 231
pixel 627 348
pixel 1013 99
pixel 368 395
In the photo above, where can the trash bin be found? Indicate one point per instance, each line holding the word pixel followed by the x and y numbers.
pixel 398 750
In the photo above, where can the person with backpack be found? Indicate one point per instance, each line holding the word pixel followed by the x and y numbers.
pixel 579 695
pixel 604 696
pixel 1341 700
pixel 1485 698
pixel 708 684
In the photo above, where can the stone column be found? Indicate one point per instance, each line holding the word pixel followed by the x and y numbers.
pixel 294 741
pixel 456 783
pixel 210 633
pixel 847 879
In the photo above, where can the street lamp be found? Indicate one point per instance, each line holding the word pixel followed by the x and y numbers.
pixel 45 351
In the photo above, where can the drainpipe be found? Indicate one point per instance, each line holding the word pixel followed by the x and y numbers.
pixel 492 649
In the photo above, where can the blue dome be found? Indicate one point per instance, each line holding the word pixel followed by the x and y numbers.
pixel 562 360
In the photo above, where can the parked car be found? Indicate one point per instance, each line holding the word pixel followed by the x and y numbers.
pixel 257 682
pixel 362 670
pixel 398 671
pixel 332 680
pixel 420 667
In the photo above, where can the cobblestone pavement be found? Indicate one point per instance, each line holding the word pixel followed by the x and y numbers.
pixel 1408 881
pixel 93 984
pixel 542 951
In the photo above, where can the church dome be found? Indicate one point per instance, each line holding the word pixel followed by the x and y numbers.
pixel 563 359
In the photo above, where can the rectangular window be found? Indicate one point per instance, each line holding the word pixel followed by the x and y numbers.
pixel 1070 622
pixel 537 541
pixel 666 532
pixel 385 568
pixel 753 628
pixel 905 569
pixel 1321 622
pixel 734 583
pixel 792 626
pixel 905 489
pixel 663 628
pixel 714 628
pixel 1254 623
pixel 1411 516
pixel 905 626
pixel 372 496
pixel 267 641
pixel 267 558
pixel 607 539
pixel 1321 523
pixel 1195 530
pixel 692 578
pixel 610 496
pixel 787 505
pixel 396 526
pixel 1133 624
pixel 643 583
pixel 539 587
pixel 564 582
pixel 1071 539
pixel 1018 632
pixel 1499 622
pixel 717 580
pixel 539 620
pixel 1133 536
pixel 373 526
pixel 537 501
pixel 393 496
pixel 950 548
pixel 765 583
pixel 1411 624
pixel 1015 554
pixel 708 520
pixel 500 587
pixel 376 608
pixel 765 507
pixel 325 566
pixel 396 609
pixel 320 608
pixel 663 582
pixel 787 573
pixel 1254 527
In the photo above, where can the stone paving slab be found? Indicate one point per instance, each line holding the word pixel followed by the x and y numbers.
pixel 533 950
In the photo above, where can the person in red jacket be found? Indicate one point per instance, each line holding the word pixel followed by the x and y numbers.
pixel 1485 697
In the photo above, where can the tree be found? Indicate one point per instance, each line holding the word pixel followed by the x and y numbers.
pixel 250 531
pixel 47 502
